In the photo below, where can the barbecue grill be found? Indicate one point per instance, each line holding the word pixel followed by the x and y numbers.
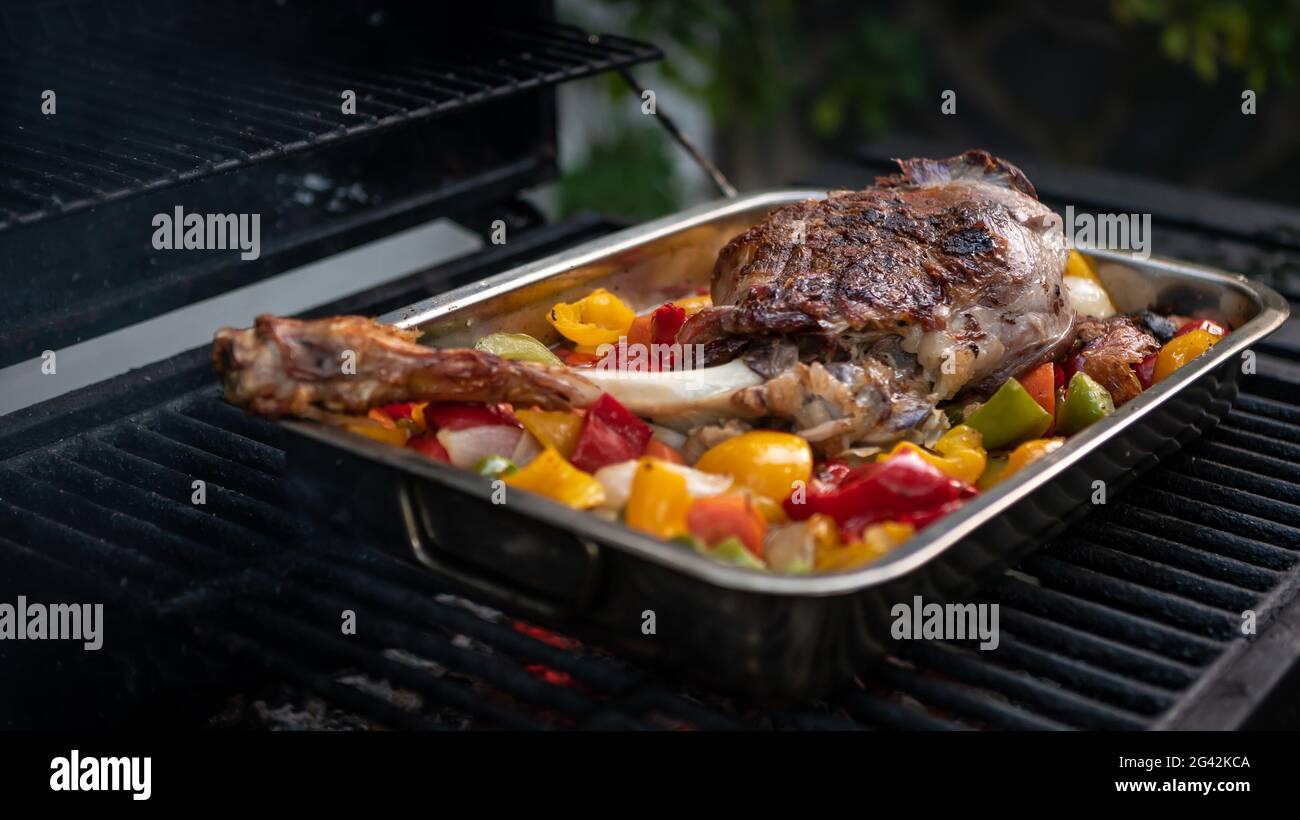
pixel 227 614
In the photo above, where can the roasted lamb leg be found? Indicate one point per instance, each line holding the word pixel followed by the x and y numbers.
pixel 867 308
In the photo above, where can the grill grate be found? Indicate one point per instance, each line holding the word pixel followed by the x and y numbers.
pixel 1117 626
pixel 137 114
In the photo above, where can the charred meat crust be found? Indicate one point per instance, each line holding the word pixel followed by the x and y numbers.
pixel 290 367
pixel 1108 349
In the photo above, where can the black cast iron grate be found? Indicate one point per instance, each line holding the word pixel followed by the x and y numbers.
pixel 135 113
pixel 1120 625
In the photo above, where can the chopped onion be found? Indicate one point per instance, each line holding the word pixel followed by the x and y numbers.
pixel 617 481
pixel 526 450
pixel 1088 298
pixel 467 447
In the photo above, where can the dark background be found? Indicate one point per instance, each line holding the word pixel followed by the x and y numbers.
pixel 1146 87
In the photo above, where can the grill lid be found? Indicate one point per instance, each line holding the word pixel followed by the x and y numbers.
pixel 238 108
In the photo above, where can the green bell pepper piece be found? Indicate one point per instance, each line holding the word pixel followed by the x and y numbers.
pixel 1086 402
pixel 733 552
pixel 519 347
pixel 495 466
pixel 1009 417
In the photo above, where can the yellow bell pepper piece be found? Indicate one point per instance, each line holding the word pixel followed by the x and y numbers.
pixel 764 461
pixel 550 475
pixel 694 304
pixel 1076 264
pixel 1028 452
pixel 658 500
pixel 388 434
pixel 877 540
pixel 599 318
pixel 961 453
pixel 1180 350
pixel 553 428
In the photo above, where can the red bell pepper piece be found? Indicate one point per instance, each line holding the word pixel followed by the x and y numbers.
pixel 459 415
pixel 904 485
pixel 1058 375
pixel 611 433
pixel 665 322
pixel 1146 370
pixel 427 444
pixel 1208 325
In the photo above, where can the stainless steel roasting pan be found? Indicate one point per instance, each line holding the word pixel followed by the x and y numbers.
pixel 769 635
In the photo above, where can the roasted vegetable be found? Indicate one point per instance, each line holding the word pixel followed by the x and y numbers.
pixel 553 428
pixel 1182 349
pixel 1010 416
pixel 1086 402
pixel 904 485
pixel 764 461
pixel 713 520
pixel 598 318
pixel 519 347
pixel 961 455
pixel 610 434
pixel 875 541
pixel 659 500
pixel 1029 452
pixel 495 466
pixel 550 475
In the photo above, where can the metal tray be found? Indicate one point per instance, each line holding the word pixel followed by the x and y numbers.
pixel 764 634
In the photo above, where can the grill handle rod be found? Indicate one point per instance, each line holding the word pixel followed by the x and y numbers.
pixel 719 179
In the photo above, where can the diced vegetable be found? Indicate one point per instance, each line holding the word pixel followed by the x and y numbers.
pixel 1029 452
pixel 1180 350
pixel 1208 325
pixel 1086 402
pixel 550 475
pixel 1041 384
pixel 665 322
pixel 599 318
pixel 519 347
pixel 727 516
pixel 427 444
pixel 495 466
pixel 694 304
pixel 526 450
pixel 1146 370
pixel 610 434
pixel 764 461
pixel 1088 296
pixel 640 331
pixel 459 415
pixel 732 551
pixel 1010 416
pixel 1076 264
pixel 880 491
pixel 553 428
pixel 793 548
pixel 616 479
pixel 875 541
pixel 659 450
pixel 961 455
pixel 658 501
pixel 992 473
pixel 388 435
pixel 469 445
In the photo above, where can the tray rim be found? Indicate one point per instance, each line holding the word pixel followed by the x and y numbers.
pixel 921 549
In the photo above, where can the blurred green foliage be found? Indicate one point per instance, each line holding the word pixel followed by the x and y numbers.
pixel 749 64
pixel 839 70
pixel 1260 39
